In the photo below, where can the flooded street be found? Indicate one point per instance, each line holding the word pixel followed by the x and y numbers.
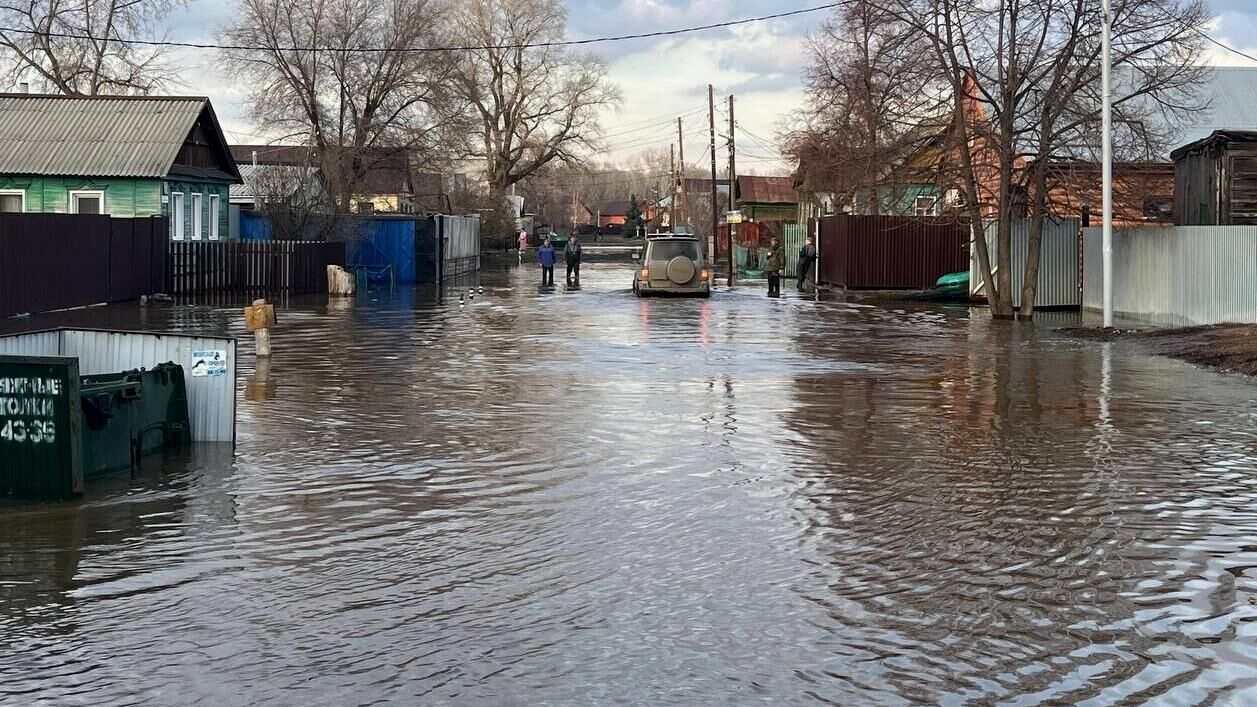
pixel 586 499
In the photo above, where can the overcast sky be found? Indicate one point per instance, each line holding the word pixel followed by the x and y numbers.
pixel 759 63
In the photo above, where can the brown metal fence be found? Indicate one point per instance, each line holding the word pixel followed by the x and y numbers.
pixel 891 252
pixel 60 261
pixel 289 267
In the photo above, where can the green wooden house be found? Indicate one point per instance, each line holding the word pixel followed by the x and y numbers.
pixel 768 199
pixel 126 156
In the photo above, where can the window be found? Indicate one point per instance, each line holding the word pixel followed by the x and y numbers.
pixel 197 217
pixel 1159 207
pixel 176 216
pixel 12 201
pixel 927 206
pixel 213 217
pixel 664 250
pixel 954 198
pixel 87 202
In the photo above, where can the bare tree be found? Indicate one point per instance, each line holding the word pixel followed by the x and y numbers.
pixel 869 101
pixel 1020 81
pixel 1024 76
pixel 75 48
pixel 533 105
pixel 368 95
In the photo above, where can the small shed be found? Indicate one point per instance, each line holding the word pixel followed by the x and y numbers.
pixel 768 198
pixel 1215 180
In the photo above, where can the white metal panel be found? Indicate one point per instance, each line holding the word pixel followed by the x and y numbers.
pixel 211 400
pixel 43 343
pixel 1175 276
pixel 462 236
pixel 1059 270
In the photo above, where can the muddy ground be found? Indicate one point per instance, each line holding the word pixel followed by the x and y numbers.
pixel 1224 347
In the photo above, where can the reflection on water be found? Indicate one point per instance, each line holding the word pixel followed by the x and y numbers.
pixel 580 498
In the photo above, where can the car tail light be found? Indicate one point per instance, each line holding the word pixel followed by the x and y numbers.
pixel 705 275
pixel 645 273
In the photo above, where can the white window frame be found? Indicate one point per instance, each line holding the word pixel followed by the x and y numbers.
pixel 19 192
pixel 215 202
pixel 931 211
pixel 76 193
pixel 177 232
pixel 198 215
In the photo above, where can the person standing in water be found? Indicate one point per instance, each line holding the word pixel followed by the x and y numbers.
pixel 545 256
pixel 807 258
pixel 572 254
pixel 523 243
pixel 775 266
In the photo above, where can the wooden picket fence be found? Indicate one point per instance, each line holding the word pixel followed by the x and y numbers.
pixel 197 268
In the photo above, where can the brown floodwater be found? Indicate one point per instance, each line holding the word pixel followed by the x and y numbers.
pixel 586 499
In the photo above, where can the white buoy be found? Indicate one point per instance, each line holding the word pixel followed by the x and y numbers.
pixel 481 288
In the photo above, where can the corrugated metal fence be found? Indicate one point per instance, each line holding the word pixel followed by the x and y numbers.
pixel 1060 272
pixel 58 261
pixel 211 399
pixel 792 237
pixel 460 237
pixel 891 252
pixel 1181 275
pixel 383 249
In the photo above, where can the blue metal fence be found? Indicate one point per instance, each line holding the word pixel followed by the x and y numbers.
pixel 384 248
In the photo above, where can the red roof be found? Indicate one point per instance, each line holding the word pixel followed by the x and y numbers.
pixel 767 190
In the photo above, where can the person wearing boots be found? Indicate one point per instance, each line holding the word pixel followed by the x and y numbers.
pixel 775 266
pixel 546 258
pixel 807 258
pixel 572 254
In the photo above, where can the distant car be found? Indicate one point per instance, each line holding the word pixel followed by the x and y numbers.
pixel 672 264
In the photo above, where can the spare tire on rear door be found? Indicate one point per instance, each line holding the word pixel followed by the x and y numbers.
pixel 681 270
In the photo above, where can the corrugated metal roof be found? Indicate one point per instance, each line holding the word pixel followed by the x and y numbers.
pixel 1231 93
pixel 100 136
pixel 766 190
pixel 287 179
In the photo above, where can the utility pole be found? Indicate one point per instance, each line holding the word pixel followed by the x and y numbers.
pixel 672 160
pixel 733 189
pixel 715 207
pixel 1107 129
pixel 679 188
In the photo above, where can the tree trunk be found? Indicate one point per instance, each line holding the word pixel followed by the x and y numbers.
pixel 974 203
pixel 1030 286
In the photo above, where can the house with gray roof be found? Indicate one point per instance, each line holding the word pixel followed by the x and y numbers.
pixel 125 156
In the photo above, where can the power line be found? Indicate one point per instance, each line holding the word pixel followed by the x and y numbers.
pixel 424 50
pixel 1227 47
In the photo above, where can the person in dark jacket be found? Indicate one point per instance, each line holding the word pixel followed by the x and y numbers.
pixel 807 258
pixel 545 256
pixel 775 266
pixel 572 254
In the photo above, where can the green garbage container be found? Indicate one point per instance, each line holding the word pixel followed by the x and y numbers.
pixel 40 450
pixel 58 428
pixel 132 414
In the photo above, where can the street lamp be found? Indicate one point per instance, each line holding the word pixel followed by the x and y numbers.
pixel 1107 149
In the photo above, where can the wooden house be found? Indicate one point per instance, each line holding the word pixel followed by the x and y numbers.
pixel 126 156
pixel 1215 180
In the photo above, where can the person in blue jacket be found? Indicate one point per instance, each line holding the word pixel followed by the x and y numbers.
pixel 545 256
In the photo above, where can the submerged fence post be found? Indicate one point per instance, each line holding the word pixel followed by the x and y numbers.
pixel 259 319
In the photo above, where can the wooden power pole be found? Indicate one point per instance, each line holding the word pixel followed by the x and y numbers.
pixel 715 206
pixel 679 187
pixel 672 188
pixel 733 189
